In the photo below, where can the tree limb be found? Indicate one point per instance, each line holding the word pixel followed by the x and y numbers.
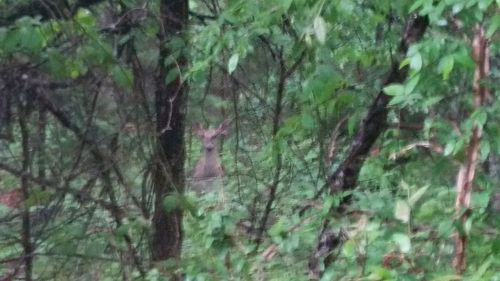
pixel 346 175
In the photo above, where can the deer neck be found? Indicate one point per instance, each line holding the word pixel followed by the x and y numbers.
pixel 211 164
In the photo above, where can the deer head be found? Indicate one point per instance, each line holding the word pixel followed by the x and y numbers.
pixel 209 166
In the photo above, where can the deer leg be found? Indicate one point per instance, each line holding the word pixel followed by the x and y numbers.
pixel 222 197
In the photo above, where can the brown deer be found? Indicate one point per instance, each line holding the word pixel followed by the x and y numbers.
pixel 208 171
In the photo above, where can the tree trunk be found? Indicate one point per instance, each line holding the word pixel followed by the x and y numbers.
pixel 170 103
pixel 374 123
pixel 467 171
pixel 26 239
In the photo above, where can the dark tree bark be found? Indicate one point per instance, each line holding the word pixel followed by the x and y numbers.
pixel 170 102
pixel 26 238
pixel 5 114
pixel 41 143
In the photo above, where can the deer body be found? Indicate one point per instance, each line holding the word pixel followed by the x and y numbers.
pixel 208 172
pixel 208 166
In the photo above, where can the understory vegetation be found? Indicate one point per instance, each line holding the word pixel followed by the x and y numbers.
pixel 249 140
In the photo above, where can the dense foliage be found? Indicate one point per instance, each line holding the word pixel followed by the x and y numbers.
pixel 300 82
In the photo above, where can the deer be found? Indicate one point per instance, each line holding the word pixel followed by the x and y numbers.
pixel 209 171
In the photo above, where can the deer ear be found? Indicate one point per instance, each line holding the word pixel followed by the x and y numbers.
pixel 222 130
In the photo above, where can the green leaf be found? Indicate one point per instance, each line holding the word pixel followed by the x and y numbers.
pixel 404 185
pixel 327 275
pixel 448 278
pixel 471 3
pixel 349 249
pixel 278 230
pixel 485 149
pixel 467 226
pixel 94 248
pixel 404 63
pixel 188 203
pixel 479 273
pixel 171 202
pixel 329 203
pixel 411 84
pixel 176 45
pixel 307 121
pixel 320 29
pixel 394 90
pixel 56 63
pixel 416 61
pixel 9 42
pixel 417 4
pixel 449 147
pixel 446 65
pixel 459 146
pixel 122 230
pixel 65 247
pixel 403 242
pixel 38 197
pixel 480 199
pixel 480 116
pixel 351 124
pixel 122 76
pixel 463 57
pixel 457 7
pixel 172 74
pixel 495 246
pixel 428 210
pixel 430 101
pixel 484 4
pixel 493 26
pixel 402 211
pixel 417 195
pixel 153 275
pixel 398 100
pixel 232 63
pixel 85 18
pixel 380 273
pixel 31 39
pixel 285 4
